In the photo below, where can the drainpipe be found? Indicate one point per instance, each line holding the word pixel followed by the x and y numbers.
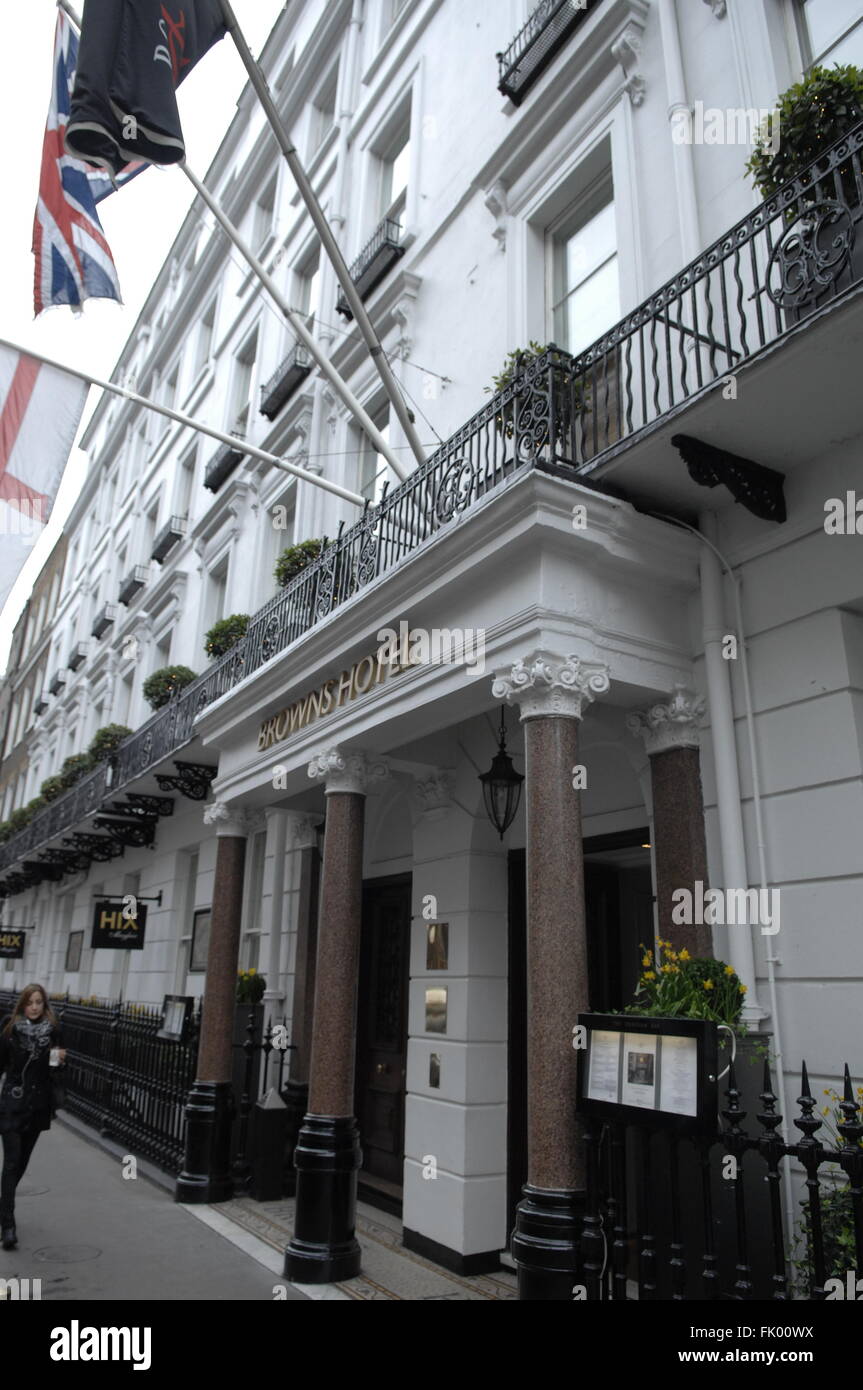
pixel 684 166
pixel 734 872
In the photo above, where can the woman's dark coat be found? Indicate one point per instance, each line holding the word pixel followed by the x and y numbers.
pixel 25 1064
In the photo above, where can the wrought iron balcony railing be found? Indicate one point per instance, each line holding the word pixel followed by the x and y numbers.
pixel 57 681
pixel 537 43
pixel 77 656
pixel 40 704
pixel 133 584
pixel 104 619
pixel 226 458
pixel 789 258
pixel 381 251
pixel 172 532
pixel 284 381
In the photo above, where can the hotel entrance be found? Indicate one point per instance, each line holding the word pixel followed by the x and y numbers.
pixel 382 1019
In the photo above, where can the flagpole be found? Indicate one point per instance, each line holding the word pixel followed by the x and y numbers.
pixel 331 246
pixel 231 439
pixel 337 382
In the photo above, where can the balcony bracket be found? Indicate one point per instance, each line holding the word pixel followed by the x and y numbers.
pixel 192 780
pixel 760 489
pixel 142 807
pixel 98 847
pixel 131 834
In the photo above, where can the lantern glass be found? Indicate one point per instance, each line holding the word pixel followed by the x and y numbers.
pixel 501 787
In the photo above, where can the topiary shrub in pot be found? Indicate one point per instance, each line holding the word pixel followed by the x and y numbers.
pixel 19 819
pixel 813 114
pixel 51 788
pixel 164 684
pixel 571 398
pixel 225 634
pixel 74 768
pixel 5 831
pixel 106 741
pixel 295 559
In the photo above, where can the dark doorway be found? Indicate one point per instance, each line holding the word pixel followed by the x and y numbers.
pixel 619 907
pixel 382 1015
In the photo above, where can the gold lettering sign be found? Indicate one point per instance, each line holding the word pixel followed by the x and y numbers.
pixel 339 690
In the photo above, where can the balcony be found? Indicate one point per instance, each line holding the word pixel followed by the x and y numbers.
pixel 172 532
pixel 284 382
pixel 77 656
pixel 751 298
pixel 57 682
pixel 40 704
pixel 104 619
pixel 380 252
pixel 537 43
pixel 133 584
pixel 222 464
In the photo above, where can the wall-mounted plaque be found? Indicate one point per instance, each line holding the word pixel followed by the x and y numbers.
pixel 74 947
pixel 12 942
pixel 437 946
pixel 434 1070
pixel 200 947
pixel 115 928
pixel 664 1069
pixel 436 1009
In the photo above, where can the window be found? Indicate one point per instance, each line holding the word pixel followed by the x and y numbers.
pixel 324 112
pixel 395 9
pixel 374 471
pixel 395 167
pixel 251 947
pixel 149 533
pixel 584 296
pixel 308 289
pixel 185 479
pixel 204 347
pixel 832 31
pixel 241 399
pixel 217 584
pixel 264 215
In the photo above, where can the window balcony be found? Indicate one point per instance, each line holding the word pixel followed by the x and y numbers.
pixel 57 682
pixel 222 464
pixel 284 382
pixel 537 43
pixel 133 584
pixel 172 532
pixel 379 254
pixel 104 619
pixel 40 704
pixel 77 656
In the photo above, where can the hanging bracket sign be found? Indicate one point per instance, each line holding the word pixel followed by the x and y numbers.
pixel 12 941
pixel 660 1071
pixel 116 927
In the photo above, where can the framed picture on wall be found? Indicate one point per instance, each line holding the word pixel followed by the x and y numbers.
pixel 73 950
pixel 200 941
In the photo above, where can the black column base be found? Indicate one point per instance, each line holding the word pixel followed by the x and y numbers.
pixel 296 1098
pixel 546 1243
pixel 324 1249
pixel 206 1174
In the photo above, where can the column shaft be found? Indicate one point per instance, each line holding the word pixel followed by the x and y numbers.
pixel 215 1056
pixel 680 846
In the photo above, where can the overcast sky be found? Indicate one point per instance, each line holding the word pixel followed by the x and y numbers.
pixel 140 221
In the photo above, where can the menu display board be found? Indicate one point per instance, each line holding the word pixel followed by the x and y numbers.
pixel 662 1069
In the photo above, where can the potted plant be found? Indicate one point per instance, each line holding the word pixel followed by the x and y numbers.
pixel 674 984
pixel 250 987
pixel 19 819
pixel 165 683
pixel 294 560
pixel 73 769
pixel 5 831
pixel 51 788
pixel 813 114
pixel 106 741
pixel 225 634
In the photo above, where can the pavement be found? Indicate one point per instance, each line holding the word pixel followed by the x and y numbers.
pixel 91 1234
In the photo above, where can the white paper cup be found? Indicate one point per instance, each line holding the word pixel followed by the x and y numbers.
pixel 54 1058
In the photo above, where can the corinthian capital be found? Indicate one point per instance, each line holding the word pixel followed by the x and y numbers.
pixel 228 820
pixel 347 770
pixel 543 685
pixel 672 723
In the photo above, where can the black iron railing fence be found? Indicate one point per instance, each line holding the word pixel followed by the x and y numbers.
pixel 536 43
pixel 791 256
pixel 674 1217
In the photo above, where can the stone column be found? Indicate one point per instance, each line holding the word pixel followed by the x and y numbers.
pixel 670 733
pixel 306 876
pixel 552 693
pixel 206 1173
pixel 324 1248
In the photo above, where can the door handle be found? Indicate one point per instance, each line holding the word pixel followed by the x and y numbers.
pixel 382 1068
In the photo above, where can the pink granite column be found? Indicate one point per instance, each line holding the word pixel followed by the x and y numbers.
pixel 552 694
pixel 206 1173
pixel 327 1157
pixel 670 733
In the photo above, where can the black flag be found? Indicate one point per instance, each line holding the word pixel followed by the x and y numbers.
pixel 133 56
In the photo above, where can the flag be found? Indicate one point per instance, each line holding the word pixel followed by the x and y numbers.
pixel 102 183
pixel 40 410
pixel 73 259
pixel 134 55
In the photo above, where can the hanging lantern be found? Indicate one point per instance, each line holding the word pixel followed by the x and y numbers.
pixel 501 786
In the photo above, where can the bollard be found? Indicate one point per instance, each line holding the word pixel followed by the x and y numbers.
pixel 269 1136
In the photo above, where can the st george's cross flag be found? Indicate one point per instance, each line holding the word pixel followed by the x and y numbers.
pixel 134 54
pixel 40 410
pixel 73 259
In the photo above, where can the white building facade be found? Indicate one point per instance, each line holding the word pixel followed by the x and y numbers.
pixel 556 539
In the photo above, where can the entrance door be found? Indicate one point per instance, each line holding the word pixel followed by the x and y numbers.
pixel 382 1015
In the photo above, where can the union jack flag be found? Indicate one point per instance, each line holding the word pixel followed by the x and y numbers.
pixel 73 259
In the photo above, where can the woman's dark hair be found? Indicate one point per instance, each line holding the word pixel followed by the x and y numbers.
pixel 23 1000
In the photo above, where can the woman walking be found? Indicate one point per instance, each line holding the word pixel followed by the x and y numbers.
pixel 29 1047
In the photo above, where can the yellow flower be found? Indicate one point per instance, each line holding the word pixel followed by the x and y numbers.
pixel 708 984
pixel 675 969
pixel 666 969
pixel 729 969
pixel 647 960
pixel 684 955
pixel 252 971
pixel 826 1110
pixel 649 975
pixel 742 989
